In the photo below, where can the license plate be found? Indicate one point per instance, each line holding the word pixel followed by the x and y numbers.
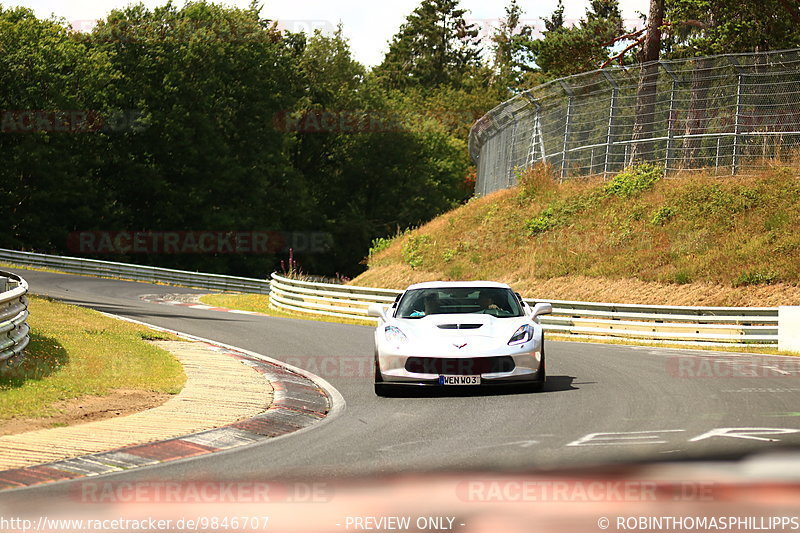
pixel 459 380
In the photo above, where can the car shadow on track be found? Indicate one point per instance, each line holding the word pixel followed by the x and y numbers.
pixel 553 384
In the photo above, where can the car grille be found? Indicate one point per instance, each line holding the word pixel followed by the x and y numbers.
pixel 459 366
pixel 459 326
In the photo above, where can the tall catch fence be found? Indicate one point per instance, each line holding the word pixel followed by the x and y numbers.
pixel 726 114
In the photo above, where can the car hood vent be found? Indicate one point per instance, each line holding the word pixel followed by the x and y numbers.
pixel 459 326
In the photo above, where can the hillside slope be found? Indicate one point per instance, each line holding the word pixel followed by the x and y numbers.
pixel 636 238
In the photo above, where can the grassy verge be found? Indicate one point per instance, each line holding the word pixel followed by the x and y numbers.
pixel 259 303
pixel 637 238
pixel 77 352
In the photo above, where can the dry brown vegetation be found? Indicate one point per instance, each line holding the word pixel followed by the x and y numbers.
pixel 696 240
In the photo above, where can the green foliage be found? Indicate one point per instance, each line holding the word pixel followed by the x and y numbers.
pixel 563 50
pixel 633 180
pixel 682 277
pixel 379 245
pixel 663 215
pixel 434 47
pixel 776 221
pixel 414 249
pixel 626 184
pixel 718 200
pixel 204 87
pixel 726 27
pixel 756 277
pixel 549 218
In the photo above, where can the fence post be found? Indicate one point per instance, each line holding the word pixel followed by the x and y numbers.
pixel 737 121
pixel 536 134
pixel 671 118
pixel 510 163
pixel 612 113
pixel 567 124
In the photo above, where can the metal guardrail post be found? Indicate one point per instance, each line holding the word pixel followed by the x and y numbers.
pixel 95 267
pixel 14 331
pixel 728 326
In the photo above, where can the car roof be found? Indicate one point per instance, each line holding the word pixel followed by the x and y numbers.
pixel 458 284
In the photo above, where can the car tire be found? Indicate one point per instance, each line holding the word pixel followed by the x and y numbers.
pixel 381 388
pixel 538 385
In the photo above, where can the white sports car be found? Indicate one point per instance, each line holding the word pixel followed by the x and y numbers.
pixel 458 333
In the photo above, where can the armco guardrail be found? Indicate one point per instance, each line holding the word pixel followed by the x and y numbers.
pixel 111 269
pixel 13 314
pixel 728 326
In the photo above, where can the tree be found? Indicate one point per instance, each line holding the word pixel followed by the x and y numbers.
pixel 648 82
pixel 434 47
pixel 379 165
pixel 206 82
pixel 699 28
pixel 563 50
pixel 708 27
pixel 54 97
pixel 505 44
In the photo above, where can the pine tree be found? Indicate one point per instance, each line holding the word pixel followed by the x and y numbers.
pixel 434 47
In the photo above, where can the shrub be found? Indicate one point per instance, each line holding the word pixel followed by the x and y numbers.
pixel 546 220
pixel 414 248
pixel 755 277
pixel 633 180
pixel 663 215
pixel 380 244
pixel 534 180
pixel 682 277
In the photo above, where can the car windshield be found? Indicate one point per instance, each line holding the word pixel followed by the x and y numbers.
pixel 498 302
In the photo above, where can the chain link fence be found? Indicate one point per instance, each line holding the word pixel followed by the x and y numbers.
pixel 724 114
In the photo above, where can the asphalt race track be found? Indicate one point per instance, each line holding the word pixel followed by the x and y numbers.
pixel 602 403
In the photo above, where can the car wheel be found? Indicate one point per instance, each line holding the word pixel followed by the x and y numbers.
pixel 538 386
pixel 381 388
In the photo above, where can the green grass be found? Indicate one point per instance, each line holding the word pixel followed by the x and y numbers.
pixel 259 303
pixel 695 239
pixel 77 352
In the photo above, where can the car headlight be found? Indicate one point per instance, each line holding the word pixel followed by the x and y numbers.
pixel 522 335
pixel 394 335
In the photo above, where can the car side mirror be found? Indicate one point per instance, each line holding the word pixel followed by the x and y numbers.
pixel 541 309
pixel 376 310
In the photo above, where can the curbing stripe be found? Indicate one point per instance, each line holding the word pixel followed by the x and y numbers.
pixel 298 402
